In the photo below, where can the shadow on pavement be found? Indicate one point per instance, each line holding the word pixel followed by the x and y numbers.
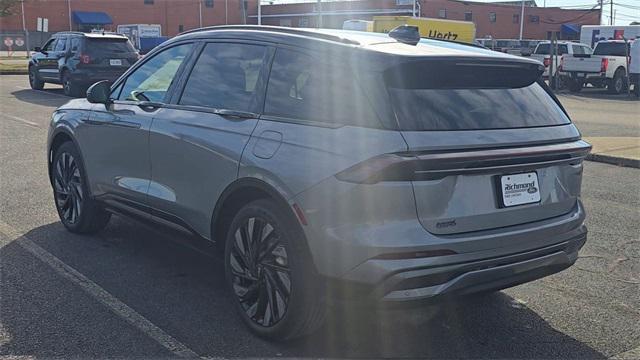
pixel 182 292
pixel 597 93
pixel 46 97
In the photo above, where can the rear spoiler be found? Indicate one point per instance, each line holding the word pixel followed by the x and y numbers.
pixel 465 73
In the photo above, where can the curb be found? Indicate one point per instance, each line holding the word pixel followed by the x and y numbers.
pixel 17 72
pixel 614 160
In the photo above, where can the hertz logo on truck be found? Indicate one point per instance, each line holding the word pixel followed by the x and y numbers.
pixel 462 31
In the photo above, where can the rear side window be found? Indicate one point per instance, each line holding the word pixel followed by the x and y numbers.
pixel 98 47
pixel 225 77
pixel 75 44
pixel 610 49
pixel 544 49
pixel 430 97
pixel 303 88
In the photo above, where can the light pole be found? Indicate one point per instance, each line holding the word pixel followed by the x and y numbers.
pixel 521 19
pixel 69 10
pixel 259 12
pixel 200 11
pixel 24 28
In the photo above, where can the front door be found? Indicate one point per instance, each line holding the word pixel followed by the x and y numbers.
pixel 47 60
pixel 116 152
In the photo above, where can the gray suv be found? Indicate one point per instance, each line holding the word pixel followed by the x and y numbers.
pixel 331 165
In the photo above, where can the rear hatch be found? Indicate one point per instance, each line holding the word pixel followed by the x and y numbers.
pixel 115 54
pixel 489 146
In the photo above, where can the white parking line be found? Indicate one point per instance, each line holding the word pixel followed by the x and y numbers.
pixel 118 307
pixel 21 120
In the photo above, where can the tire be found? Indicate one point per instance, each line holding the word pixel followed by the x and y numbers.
pixel 78 212
pixel 276 293
pixel 34 80
pixel 574 86
pixel 69 87
pixel 618 84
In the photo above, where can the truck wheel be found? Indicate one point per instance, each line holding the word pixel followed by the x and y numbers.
pixel 619 83
pixel 574 85
pixel 69 86
pixel 34 80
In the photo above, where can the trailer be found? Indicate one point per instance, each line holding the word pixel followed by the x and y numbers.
pixel 454 30
pixel 591 34
pixel 137 32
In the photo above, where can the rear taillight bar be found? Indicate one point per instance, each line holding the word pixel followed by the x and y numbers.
pixel 604 65
pixel 437 165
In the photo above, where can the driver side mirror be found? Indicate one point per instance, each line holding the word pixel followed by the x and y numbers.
pixel 99 92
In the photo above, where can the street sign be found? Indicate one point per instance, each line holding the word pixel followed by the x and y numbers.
pixel 8 42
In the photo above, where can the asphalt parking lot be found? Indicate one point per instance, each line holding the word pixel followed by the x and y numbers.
pixel 133 291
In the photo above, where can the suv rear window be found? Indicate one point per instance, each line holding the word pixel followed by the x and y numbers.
pixel 610 48
pixel 108 46
pixel 543 49
pixel 471 98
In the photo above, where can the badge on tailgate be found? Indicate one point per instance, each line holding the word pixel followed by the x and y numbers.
pixel 519 189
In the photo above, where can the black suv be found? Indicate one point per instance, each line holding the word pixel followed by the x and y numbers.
pixel 77 60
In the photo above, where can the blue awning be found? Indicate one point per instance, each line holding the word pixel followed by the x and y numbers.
pixel 570 28
pixel 91 17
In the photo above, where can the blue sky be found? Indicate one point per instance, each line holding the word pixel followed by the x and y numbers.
pixel 626 10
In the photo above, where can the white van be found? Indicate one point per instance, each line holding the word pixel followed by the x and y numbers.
pixel 634 66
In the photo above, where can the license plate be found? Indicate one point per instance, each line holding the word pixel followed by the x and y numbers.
pixel 115 62
pixel 519 189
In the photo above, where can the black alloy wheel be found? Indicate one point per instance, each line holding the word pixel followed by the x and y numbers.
pixel 260 273
pixel 67 185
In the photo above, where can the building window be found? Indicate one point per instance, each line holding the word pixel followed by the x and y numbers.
pixel 148 2
pixel 442 13
pixel 516 18
pixel 208 3
pixel 180 28
pixel 492 17
pixel 534 19
pixel 468 16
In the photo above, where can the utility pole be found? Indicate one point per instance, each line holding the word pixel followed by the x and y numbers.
pixel 601 9
pixel 259 12
pixel 611 13
pixel 414 8
pixel 200 11
pixel 69 10
pixel 521 19
pixel 226 12
pixel 24 28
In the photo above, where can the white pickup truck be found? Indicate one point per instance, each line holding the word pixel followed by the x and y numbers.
pixel 607 66
pixel 542 53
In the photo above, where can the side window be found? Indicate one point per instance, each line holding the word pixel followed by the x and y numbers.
pixel 562 49
pixel 302 88
pixel 61 45
pixel 577 49
pixel 225 77
pixel 50 45
pixel 75 44
pixel 151 81
pixel 587 50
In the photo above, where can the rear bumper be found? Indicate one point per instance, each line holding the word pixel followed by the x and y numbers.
pixel 90 76
pixel 491 274
pixel 527 252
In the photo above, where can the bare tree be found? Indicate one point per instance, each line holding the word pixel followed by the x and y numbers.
pixel 8 7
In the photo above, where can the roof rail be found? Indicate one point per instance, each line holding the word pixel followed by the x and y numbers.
pixel 280 29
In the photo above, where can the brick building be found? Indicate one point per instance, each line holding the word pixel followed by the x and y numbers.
pixel 498 20
pixel 173 15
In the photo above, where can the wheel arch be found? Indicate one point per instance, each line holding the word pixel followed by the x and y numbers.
pixel 242 192
pixel 60 136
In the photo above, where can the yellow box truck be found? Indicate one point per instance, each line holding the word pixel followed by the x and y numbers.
pixel 462 31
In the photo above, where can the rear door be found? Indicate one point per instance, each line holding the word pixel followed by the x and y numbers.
pixel 484 138
pixel 197 142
